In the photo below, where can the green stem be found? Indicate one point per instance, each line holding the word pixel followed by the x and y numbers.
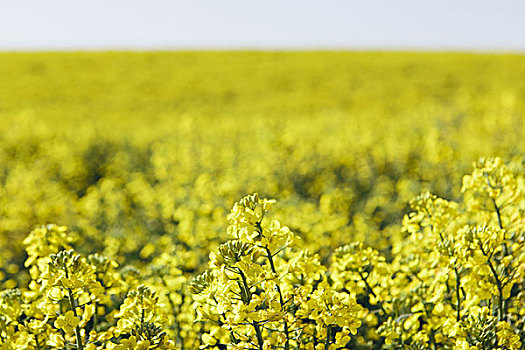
pixel 95 317
pixel 498 214
pixel 259 334
pixel 247 301
pixel 328 334
pixel 501 311
pixel 77 328
pixel 37 342
pixel 458 301
pixel 281 300
pixel 72 303
pixel 371 291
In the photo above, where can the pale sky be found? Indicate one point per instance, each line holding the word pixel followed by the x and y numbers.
pixel 270 24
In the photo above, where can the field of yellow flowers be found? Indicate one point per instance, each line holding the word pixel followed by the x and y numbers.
pixel 262 201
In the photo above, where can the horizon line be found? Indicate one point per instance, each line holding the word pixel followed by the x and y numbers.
pixel 277 48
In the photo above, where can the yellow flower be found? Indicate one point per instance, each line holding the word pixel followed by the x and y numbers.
pixel 67 322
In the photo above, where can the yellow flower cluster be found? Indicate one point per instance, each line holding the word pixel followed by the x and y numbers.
pixel 266 294
pixel 458 277
pixel 77 302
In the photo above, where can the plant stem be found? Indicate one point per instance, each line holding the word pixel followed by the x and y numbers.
pixel 281 300
pixel 501 311
pixel 77 328
pixel 259 334
pixel 72 303
pixel 371 291
pixel 37 342
pixel 498 214
pixel 328 334
pixel 248 297
pixel 458 301
pixel 95 317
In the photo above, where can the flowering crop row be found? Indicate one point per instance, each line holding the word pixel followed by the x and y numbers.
pixel 457 281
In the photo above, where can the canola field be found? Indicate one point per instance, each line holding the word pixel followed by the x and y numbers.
pixel 262 200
